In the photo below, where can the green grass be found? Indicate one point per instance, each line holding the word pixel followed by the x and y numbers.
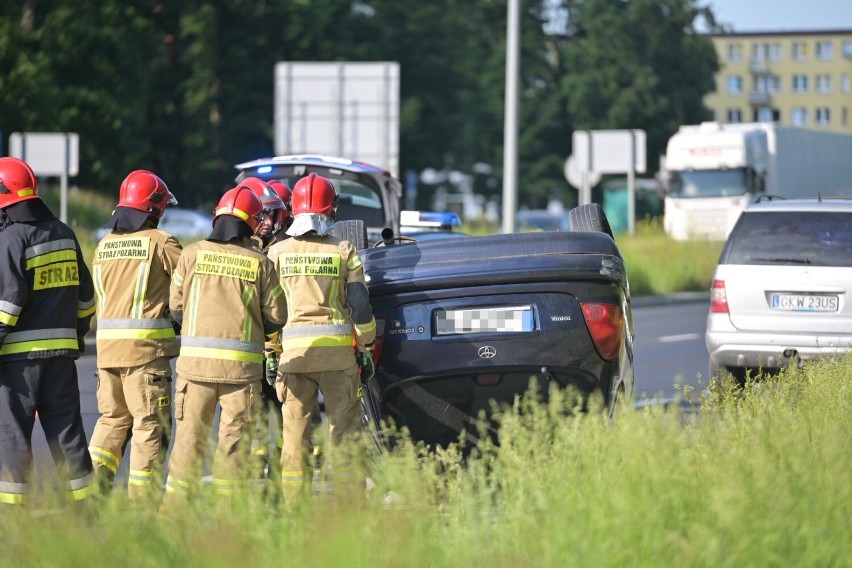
pixel 658 264
pixel 756 477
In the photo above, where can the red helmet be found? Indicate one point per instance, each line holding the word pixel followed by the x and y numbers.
pixel 17 182
pixel 283 191
pixel 314 194
pixel 268 196
pixel 242 203
pixel 145 191
pixel 284 217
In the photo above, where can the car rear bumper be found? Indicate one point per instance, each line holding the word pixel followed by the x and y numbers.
pixel 763 350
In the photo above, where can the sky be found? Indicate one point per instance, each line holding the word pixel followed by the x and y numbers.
pixel 763 15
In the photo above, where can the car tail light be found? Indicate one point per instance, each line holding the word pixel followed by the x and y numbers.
pixel 606 326
pixel 718 298
pixel 380 340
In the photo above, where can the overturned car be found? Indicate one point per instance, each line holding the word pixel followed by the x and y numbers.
pixel 465 323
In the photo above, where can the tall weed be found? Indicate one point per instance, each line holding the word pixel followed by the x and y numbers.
pixel 758 477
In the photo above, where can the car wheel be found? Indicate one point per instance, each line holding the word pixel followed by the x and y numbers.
pixel 589 218
pixel 352 230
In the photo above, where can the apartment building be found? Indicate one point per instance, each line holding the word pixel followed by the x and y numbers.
pixel 794 78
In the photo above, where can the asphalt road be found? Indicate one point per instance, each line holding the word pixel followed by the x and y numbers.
pixel 669 353
pixel 669 350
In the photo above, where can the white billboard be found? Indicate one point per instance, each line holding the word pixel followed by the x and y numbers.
pixel 47 153
pixel 344 109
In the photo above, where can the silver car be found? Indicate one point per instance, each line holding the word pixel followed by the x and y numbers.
pixel 782 292
pixel 367 193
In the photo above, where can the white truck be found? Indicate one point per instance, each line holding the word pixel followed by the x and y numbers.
pixel 346 109
pixel 711 171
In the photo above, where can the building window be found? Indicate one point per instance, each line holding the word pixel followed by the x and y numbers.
pixel 766 51
pixel 735 84
pixel 823 50
pixel 800 83
pixel 773 52
pixel 800 50
pixel 766 114
pixel 823 116
pixel 822 83
pixel 773 84
pixel 844 83
pixel 847 48
pixel 735 115
pixel 767 84
pixel 799 116
pixel 735 52
pixel 844 116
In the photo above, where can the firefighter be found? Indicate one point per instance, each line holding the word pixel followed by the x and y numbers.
pixel 132 269
pixel 328 304
pixel 285 218
pixel 225 295
pixel 46 303
pixel 273 212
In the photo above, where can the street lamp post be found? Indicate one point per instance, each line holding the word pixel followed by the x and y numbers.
pixel 510 127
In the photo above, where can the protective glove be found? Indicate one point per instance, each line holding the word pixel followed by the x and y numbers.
pixel 368 368
pixel 81 344
pixel 271 367
pixel 280 390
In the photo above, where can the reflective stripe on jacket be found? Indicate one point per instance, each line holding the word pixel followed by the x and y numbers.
pixel 132 272
pixel 46 294
pixel 228 299
pixel 318 275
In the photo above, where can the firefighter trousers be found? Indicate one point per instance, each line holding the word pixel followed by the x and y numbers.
pixel 195 407
pixel 265 435
pixel 342 393
pixel 47 387
pixel 135 405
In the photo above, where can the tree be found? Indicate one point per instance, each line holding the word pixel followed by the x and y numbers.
pixel 186 88
pixel 637 64
pixel 82 67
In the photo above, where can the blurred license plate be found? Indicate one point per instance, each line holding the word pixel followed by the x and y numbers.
pixel 804 303
pixel 515 319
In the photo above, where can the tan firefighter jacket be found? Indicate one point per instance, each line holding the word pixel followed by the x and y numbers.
pixel 227 298
pixel 328 306
pixel 132 271
pixel 273 341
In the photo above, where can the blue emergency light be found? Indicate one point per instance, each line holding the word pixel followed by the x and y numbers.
pixel 434 219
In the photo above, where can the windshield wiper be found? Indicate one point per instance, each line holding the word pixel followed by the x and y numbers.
pixel 789 259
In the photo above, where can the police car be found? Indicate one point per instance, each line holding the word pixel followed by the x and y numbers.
pixel 424 225
pixel 367 193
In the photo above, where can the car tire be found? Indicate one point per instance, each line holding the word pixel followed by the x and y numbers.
pixel 352 230
pixel 589 218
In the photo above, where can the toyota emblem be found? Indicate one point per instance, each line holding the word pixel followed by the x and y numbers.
pixel 487 352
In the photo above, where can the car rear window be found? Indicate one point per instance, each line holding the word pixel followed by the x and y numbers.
pixel 791 237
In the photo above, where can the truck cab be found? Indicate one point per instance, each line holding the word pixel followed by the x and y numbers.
pixel 711 172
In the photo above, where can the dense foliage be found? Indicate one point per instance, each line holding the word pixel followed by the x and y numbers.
pixel 186 88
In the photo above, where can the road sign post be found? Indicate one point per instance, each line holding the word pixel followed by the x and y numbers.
pixel 597 152
pixel 49 154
